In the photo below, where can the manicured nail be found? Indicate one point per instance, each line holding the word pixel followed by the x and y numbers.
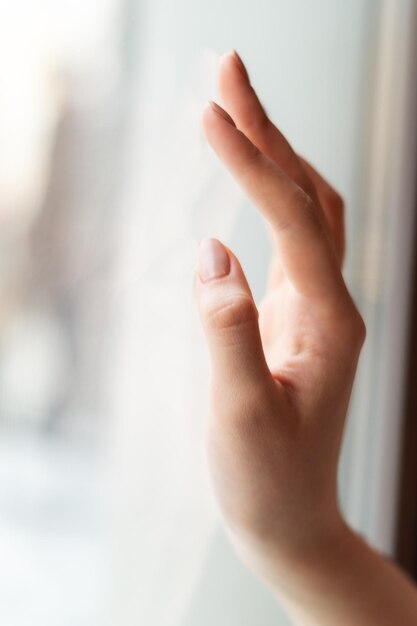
pixel 218 109
pixel 240 65
pixel 213 260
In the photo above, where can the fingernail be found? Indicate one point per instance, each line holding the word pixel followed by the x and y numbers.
pixel 213 260
pixel 218 109
pixel 240 65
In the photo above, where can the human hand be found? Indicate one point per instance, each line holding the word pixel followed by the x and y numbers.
pixel 280 384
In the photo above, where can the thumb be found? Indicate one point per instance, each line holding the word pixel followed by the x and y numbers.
pixel 230 319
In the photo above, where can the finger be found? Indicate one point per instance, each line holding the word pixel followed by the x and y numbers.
pixel 242 102
pixel 333 207
pixel 249 115
pixel 305 250
pixel 230 319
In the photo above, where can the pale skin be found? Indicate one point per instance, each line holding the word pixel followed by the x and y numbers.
pixel 282 375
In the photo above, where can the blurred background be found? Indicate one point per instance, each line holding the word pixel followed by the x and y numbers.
pixel 106 188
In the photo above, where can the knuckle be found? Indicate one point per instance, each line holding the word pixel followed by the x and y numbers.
pixel 248 411
pixel 310 214
pixel 360 329
pixel 308 187
pixel 308 205
pixel 304 200
pixel 336 201
pixel 253 167
pixel 236 311
pixel 257 123
pixel 355 329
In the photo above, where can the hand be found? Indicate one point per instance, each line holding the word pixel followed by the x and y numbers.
pixel 280 385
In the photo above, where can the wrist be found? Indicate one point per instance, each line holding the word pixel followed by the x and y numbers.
pixel 312 583
pixel 306 553
pixel 344 580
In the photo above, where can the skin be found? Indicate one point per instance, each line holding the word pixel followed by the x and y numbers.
pixel 282 376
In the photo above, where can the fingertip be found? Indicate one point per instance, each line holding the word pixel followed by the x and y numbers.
pixel 209 121
pixel 226 57
pixel 237 59
pixel 213 111
pixel 232 60
pixel 217 125
pixel 213 260
pixel 232 73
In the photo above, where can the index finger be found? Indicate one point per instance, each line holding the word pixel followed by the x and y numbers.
pixel 304 246
pixel 243 104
